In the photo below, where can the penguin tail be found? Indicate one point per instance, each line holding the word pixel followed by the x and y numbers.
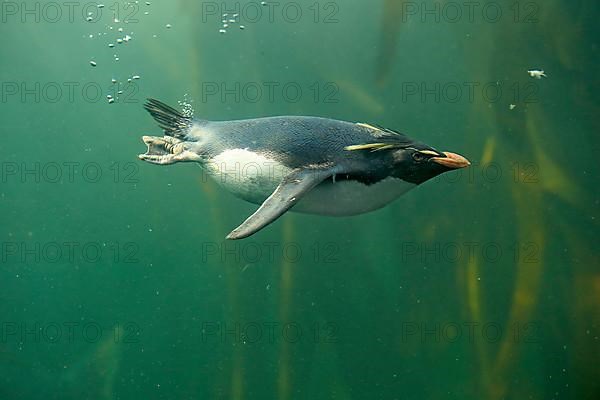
pixel 173 122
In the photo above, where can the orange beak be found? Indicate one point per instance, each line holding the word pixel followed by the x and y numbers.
pixel 452 160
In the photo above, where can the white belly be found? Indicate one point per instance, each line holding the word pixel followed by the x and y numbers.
pixel 351 197
pixel 254 177
pixel 246 174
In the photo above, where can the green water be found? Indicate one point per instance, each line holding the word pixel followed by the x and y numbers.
pixel 116 281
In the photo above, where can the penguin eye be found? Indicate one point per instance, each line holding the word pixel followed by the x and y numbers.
pixel 418 156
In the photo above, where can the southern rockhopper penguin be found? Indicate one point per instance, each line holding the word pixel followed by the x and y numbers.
pixel 306 164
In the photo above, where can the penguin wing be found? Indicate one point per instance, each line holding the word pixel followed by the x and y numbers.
pixel 286 195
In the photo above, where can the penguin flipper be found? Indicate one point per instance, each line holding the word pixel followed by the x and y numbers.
pixel 285 196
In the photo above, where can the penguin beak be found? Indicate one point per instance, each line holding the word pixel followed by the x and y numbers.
pixel 451 160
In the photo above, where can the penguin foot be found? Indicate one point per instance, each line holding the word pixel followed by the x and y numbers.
pixel 166 150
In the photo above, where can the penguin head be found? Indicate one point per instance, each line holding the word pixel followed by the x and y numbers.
pixel 418 163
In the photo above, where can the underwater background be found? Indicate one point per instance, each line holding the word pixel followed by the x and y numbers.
pixel 116 281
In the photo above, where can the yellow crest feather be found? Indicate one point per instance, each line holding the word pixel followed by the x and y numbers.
pixel 370 146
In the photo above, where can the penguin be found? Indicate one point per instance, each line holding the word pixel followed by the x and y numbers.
pixel 306 164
